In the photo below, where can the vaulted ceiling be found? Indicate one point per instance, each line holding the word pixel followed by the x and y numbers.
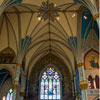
pixel 21 30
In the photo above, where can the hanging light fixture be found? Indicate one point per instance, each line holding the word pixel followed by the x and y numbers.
pixel 48 11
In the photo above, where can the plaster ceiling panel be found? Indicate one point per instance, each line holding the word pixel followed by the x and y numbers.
pixel 12 38
pixel 1 1
pixel 92 1
pixel 74 7
pixel 31 7
pixel 31 53
pixel 41 34
pixel 39 2
pixel 64 6
pixel 31 65
pixel 41 26
pixel 58 32
pixel 33 24
pixel 58 25
pixel 25 19
pixel 10 9
pixel 61 2
pixel 72 19
pixel 13 21
pixel 1 21
pixel 3 36
pixel 64 24
pixel 23 8
pixel 67 50
pixel 55 37
pixel 41 38
pixel 66 62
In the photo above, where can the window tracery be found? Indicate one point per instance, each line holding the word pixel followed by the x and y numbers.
pixel 9 95
pixel 50 85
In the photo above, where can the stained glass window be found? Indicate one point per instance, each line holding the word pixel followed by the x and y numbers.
pixel 50 85
pixel 9 95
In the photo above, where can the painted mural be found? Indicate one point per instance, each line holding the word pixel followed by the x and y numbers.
pixel 92 60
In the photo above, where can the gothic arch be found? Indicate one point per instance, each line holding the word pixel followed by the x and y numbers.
pixel 51 67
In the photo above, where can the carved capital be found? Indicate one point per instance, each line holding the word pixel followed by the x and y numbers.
pixel 96 16
pixel 83 86
pixel 15 86
pixel 75 93
pixel 80 64
pixel 19 65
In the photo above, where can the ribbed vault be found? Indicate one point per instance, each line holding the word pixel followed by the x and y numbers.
pixel 21 30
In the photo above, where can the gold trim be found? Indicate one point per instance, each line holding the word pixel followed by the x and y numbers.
pixel 83 86
pixel 83 81
pixel 74 97
pixel 15 86
pixel 75 94
pixel 19 65
pixel 80 64
pixel 96 16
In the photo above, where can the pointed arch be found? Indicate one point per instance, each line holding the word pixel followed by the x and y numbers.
pixel 50 83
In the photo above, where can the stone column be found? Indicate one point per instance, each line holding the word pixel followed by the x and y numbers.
pixel 75 91
pixel 72 81
pixel 97 19
pixel 94 83
pixel 22 94
pixel 83 81
pixel 26 96
pixel 16 82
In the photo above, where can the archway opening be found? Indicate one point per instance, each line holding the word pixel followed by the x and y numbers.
pixel 50 84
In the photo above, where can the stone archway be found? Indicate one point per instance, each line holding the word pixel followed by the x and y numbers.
pixel 33 90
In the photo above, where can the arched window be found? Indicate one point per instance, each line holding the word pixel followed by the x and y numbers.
pixel 90 82
pixel 4 98
pixel 97 81
pixel 50 85
pixel 9 95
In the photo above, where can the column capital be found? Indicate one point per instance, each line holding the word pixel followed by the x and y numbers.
pixel 96 16
pixel 83 84
pixel 83 81
pixel 75 93
pixel 15 86
pixel 80 64
pixel 19 65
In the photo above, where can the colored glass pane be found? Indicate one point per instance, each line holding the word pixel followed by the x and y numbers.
pixel 50 85
pixel 9 95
